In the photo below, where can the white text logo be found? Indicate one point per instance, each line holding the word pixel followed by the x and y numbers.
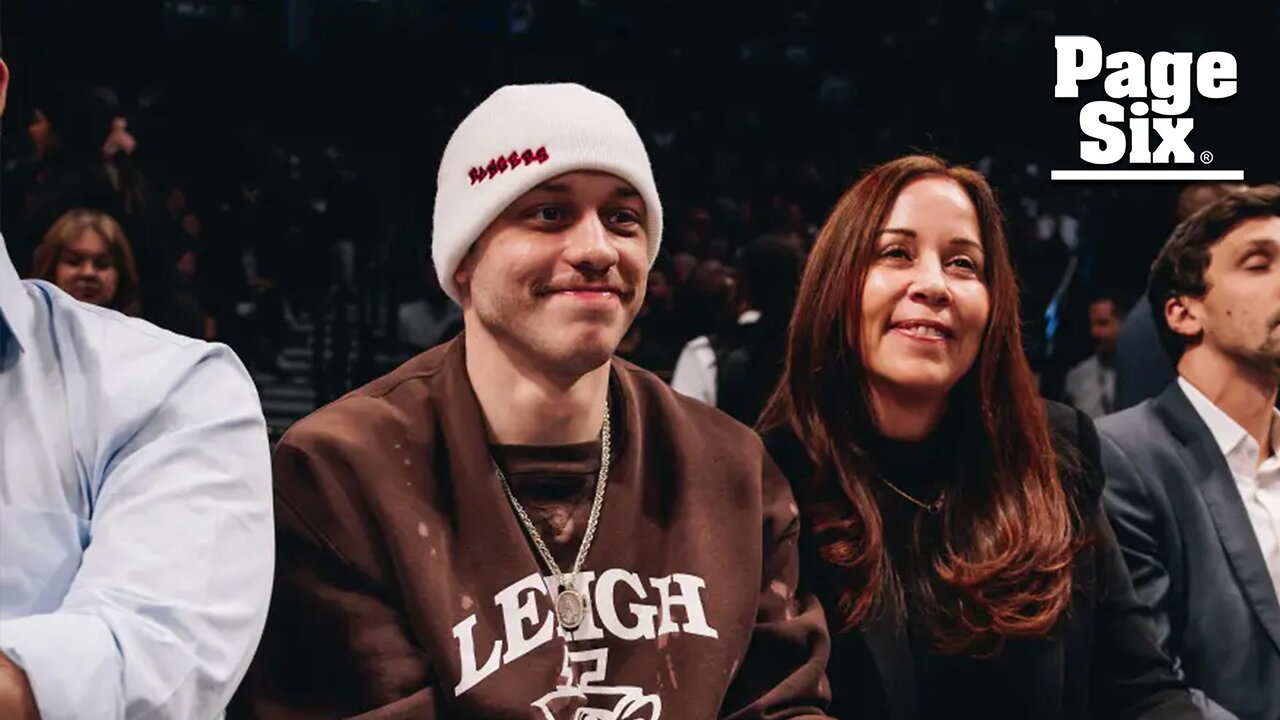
pixel 1147 119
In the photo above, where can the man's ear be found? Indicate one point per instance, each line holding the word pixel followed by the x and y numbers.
pixel 1183 315
pixel 462 276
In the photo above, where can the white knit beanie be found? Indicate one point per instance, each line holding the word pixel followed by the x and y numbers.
pixel 518 138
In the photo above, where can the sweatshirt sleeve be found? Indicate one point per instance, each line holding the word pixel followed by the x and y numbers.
pixel 335 644
pixel 783 673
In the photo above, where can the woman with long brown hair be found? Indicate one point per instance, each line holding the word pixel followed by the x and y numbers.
pixel 951 518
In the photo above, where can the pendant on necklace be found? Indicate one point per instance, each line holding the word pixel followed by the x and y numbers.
pixel 571 607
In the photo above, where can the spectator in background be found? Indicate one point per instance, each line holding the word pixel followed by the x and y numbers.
pixel 83 125
pixel 651 340
pixel 68 131
pixel 768 274
pixel 705 302
pixel 22 175
pixel 1193 475
pixel 660 328
pixel 683 264
pixel 642 346
pixel 1143 369
pixel 660 293
pixel 1091 385
pixel 120 142
pixel 42 137
pixel 87 256
pixel 432 318
pixel 769 277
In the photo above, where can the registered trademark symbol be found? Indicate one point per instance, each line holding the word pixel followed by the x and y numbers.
pixel 1206 157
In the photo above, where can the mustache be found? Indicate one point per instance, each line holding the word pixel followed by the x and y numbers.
pixel 578 282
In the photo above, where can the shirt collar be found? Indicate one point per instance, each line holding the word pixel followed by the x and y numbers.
pixel 15 306
pixel 1230 438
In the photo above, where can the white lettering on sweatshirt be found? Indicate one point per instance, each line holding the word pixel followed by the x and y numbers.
pixel 619 600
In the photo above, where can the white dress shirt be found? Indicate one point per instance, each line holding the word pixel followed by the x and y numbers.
pixel 695 373
pixel 136 531
pixel 1259 484
pixel 1091 387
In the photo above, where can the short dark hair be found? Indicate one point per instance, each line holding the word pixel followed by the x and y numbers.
pixel 1106 295
pixel 1180 267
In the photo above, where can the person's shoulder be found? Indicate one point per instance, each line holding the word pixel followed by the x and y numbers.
pixel 1081 368
pixel 699 347
pixel 1064 419
pixel 387 406
pixel 87 318
pixel 789 454
pixel 117 350
pixel 1126 424
pixel 131 379
pixel 1079 462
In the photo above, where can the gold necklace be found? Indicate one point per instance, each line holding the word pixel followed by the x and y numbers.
pixel 933 508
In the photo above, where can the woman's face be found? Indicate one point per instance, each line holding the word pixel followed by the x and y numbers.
pixel 87 270
pixel 925 303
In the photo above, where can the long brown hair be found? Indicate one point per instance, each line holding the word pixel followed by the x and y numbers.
pixel 67 229
pixel 1008 533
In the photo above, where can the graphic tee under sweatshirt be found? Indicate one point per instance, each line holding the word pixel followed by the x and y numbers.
pixel 407 588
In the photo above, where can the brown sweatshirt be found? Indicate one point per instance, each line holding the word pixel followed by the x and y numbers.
pixel 406 587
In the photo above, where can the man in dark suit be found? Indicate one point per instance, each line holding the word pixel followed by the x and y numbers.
pixel 1193 475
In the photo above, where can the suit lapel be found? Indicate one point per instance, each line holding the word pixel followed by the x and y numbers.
pixel 1202 457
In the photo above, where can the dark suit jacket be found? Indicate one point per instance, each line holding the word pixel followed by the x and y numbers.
pixel 1100 661
pixel 1193 553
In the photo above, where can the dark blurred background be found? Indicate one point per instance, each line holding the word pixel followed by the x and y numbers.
pixel 275 161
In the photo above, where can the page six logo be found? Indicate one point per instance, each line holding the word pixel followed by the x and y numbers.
pixel 1147 121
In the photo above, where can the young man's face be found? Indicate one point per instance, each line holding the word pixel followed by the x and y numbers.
pixel 561 273
pixel 1240 314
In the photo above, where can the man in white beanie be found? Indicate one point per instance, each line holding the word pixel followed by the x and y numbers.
pixel 516 523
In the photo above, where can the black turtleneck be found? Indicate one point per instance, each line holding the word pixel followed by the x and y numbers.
pixel 920 469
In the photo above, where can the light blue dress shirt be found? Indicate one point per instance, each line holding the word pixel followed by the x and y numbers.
pixel 136 535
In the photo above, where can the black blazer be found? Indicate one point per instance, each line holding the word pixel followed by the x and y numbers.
pixel 1100 661
pixel 1193 553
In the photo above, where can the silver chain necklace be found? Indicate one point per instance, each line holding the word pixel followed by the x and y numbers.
pixel 570 603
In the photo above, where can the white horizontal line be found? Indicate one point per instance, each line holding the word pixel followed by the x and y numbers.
pixel 1146 175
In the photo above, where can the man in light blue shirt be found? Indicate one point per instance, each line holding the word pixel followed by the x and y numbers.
pixel 136 537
